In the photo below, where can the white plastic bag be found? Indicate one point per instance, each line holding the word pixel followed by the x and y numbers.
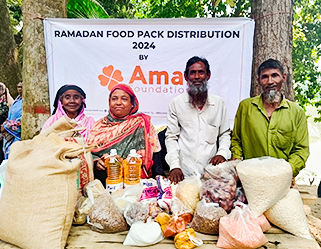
pixel 288 214
pixel 265 181
pixel 124 197
pixel 144 234
pixel 188 192
pixel 136 211
pixel 3 168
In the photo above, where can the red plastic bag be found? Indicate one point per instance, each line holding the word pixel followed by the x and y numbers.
pixel 240 230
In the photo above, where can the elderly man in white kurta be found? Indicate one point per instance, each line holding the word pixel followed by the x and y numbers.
pixel 198 131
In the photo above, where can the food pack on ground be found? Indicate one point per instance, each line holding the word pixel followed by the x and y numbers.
pixel 264 223
pixel 265 181
pixel 207 217
pixel 240 195
pixel 104 215
pixel 163 219
pixel 288 214
pixel 240 230
pixel 131 194
pixel 221 191
pixel 144 234
pixel 93 189
pixel 188 192
pixel 82 209
pixel 187 239
pixel 154 209
pixel 214 171
pixel 149 191
pixel 177 224
pixel 164 197
pixel 173 189
pixel 136 211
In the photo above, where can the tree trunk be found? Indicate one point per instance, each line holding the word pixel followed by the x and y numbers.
pixel 35 93
pixel 10 71
pixel 272 39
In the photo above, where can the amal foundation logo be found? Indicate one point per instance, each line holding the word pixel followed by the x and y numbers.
pixel 153 81
pixel 110 77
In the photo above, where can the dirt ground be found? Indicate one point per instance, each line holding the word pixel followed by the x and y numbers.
pixel 315 209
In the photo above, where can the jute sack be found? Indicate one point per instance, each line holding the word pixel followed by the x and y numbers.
pixel 65 128
pixel 38 200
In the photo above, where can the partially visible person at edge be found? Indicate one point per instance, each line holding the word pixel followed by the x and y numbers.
pixel 269 124
pixel 70 102
pixel 5 102
pixel 11 128
pixel 125 129
pixel 198 131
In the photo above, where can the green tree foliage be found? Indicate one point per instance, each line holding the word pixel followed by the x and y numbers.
pixel 15 13
pixel 169 8
pixel 85 9
pixel 306 53
pixel 100 9
pixel 120 8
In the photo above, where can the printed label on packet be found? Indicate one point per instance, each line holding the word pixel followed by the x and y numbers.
pixel 150 190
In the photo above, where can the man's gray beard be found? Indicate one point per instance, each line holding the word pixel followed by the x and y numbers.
pixel 272 97
pixel 197 94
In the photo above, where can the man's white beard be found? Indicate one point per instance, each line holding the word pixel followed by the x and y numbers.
pixel 197 89
pixel 197 94
pixel 272 97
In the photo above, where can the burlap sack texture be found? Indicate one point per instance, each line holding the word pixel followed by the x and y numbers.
pixel 37 204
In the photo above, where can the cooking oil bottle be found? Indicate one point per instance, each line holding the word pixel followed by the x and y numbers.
pixel 132 168
pixel 114 180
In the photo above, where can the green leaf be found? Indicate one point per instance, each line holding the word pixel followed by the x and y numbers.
pixel 216 3
pixel 231 3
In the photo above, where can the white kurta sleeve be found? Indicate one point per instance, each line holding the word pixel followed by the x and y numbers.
pixel 224 136
pixel 172 135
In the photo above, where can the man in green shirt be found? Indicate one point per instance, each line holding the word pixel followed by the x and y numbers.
pixel 269 124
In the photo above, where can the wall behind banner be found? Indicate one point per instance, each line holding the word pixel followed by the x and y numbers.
pixel 149 55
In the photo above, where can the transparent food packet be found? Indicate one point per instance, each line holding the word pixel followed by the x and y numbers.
pixel 104 216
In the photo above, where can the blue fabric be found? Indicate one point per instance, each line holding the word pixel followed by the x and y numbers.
pixel 13 125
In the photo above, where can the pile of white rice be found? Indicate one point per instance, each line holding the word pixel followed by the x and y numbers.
pixel 265 181
pixel 288 214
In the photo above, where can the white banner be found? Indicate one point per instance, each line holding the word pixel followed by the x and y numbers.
pixel 150 55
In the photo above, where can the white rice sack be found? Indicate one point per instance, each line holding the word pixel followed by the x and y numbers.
pixel 265 181
pixel 288 214
pixel 144 234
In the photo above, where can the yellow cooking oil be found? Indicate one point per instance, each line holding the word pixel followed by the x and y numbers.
pixel 114 167
pixel 132 168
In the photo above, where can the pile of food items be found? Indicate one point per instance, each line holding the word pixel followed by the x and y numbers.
pixel 234 200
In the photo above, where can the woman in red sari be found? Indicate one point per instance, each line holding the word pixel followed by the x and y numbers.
pixel 125 129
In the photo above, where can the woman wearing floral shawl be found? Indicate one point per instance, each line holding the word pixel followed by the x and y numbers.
pixel 11 128
pixel 5 102
pixel 125 129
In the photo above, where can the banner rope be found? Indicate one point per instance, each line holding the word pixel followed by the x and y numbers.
pixel 34 16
